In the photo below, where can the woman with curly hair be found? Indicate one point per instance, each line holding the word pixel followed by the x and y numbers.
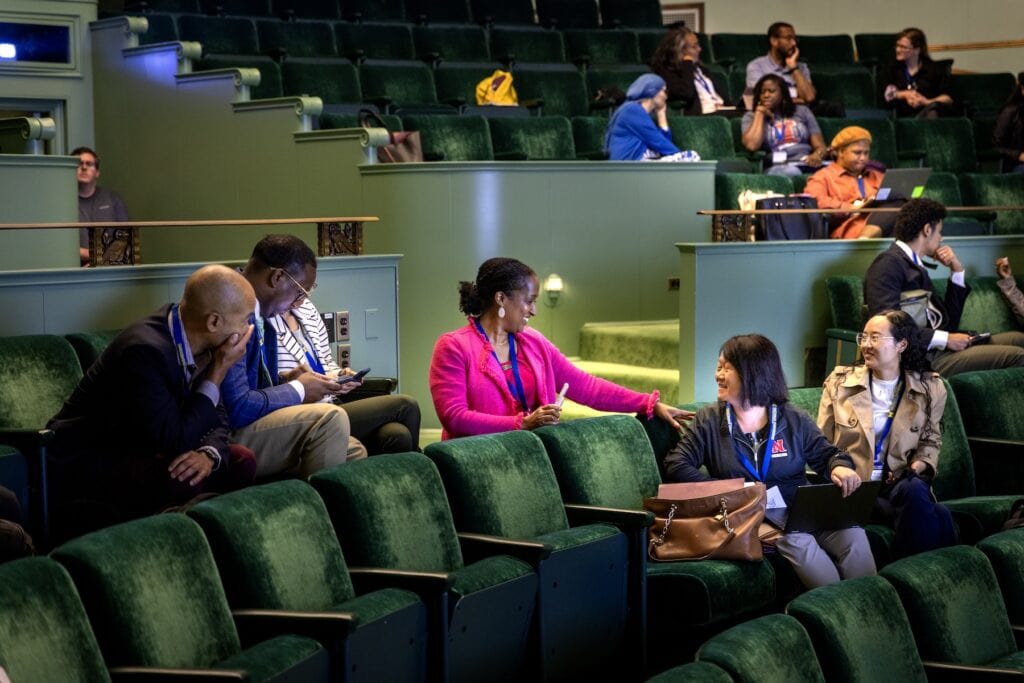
pixel 885 412
pixel 677 60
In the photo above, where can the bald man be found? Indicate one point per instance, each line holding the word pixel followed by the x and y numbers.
pixel 145 428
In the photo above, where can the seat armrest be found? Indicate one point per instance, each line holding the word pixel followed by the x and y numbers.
pixel 433 156
pixel 257 625
pixel 427 585
pixel 1018 635
pixel 627 520
pixel 28 441
pixel 535 105
pixel 998 465
pixel 478 546
pixel 371 386
pixel 147 674
pixel 939 672
pixel 356 56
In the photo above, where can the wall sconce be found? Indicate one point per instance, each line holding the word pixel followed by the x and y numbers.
pixel 553 288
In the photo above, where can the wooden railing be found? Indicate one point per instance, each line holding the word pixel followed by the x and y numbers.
pixel 116 243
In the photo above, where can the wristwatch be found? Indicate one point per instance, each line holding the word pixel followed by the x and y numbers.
pixel 213 454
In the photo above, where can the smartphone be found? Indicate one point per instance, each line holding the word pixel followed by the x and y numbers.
pixel 982 338
pixel 345 379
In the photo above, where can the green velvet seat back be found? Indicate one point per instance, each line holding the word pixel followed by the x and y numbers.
pixel 14 473
pixel 826 49
pixel 89 345
pixel 694 672
pixel 588 134
pixel 848 621
pixel 44 632
pixel 527 44
pixel 373 10
pixel 406 83
pixel 1005 551
pixel 1002 418
pixel 986 308
pixel 453 43
pixel 152 593
pixel 220 35
pixel 391 511
pixel 846 301
pixel 997 190
pixel 945 188
pixel 728 186
pixel 37 374
pixel 853 86
pixel 335 81
pixel 247 8
pixel 161 5
pixel 296 38
pixel 709 136
pixel 500 484
pixel 883 134
pixel 428 11
pixel 562 89
pixel 160 29
pixel 948 144
pixel 270 72
pixel 456 138
pixel 982 93
pixel 502 11
pixel 806 399
pixel 275 547
pixel 602 47
pixel 540 138
pixel 458 80
pixel 351 120
pixel 604 77
pixel 306 9
pixel 770 649
pixel 567 14
pixel 955 476
pixel 954 604
pixel 604 461
pixel 876 48
pixel 631 13
pixel 375 41
pixel 713 592
pixel 738 48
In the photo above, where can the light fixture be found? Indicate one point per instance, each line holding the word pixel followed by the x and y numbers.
pixel 8 51
pixel 553 288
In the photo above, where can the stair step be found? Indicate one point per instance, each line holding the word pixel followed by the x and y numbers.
pixel 635 377
pixel 648 344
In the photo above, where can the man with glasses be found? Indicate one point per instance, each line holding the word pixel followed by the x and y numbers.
pixel 95 204
pixel 280 417
pixel 897 279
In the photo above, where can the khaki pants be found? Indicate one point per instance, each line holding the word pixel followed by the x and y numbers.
pixel 300 440
pixel 828 556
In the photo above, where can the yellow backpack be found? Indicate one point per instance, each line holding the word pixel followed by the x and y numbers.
pixel 497 90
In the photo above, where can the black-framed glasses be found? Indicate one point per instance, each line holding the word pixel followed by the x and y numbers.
pixel 875 339
pixel 303 292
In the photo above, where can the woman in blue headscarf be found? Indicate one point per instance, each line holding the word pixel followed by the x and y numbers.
pixel 632 134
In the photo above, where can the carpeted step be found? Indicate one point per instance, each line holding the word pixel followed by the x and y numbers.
pixel 635 377
pixel 647 344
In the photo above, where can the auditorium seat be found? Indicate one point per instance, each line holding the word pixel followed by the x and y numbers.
pixel 982 94
pixel 394 522
pixel 335 81
pixel 90 345
pixel 456 83
pixel 820 50
pixel 295 38
pixel 351 120
pixel 151 590
pixel 502 484
pixel 853 86
pixel 648 40
pixel 603 77
pixel 283 572
pixel 588 136
pixel 738 49
pixel 1007 189
pixel 373 10
pixel 452 138
pixel 220 35
pixel 14 475
pixel 526 44
pixel 450 42
pixel 148 6
pixel 1005 551
pixel 488 12
pixel 374 41
pixel 242 8
pixel 948 144
pixel 631 13
pixel 567 14
pixel 883 138
pixel 432 11
pixel 305 9
pixel 728 187
pixel 270 72
pixel 772 648
pixel 600 46
pixel 536 138
pixel 399 85
pixel 1001 419
pixel 559 88
pixel 945 188
pixel 161 29
pixel 875 49
pixel 709 136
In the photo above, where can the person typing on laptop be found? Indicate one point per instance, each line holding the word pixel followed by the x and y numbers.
pixel 753 432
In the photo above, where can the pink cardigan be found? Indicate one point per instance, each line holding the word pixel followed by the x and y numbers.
pixel 471 395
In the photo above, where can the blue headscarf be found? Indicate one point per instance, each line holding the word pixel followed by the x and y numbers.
pixel 644 87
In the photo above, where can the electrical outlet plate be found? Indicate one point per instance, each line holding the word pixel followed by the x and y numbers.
pixel 341 326
pixel 345 355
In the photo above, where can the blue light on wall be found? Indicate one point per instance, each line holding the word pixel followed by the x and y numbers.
pixel 35 42
pixel 8 51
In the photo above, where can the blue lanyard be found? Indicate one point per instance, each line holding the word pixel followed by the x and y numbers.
pixel 178 333
pixel 779 131
pixel 516 390
pixel 880 437
pixel 258 323
pixel 314 362
pixel 860 186
pixel 700 79
pixel 744 460
pixel 910 79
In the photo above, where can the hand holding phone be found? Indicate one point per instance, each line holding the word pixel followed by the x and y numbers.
pixel 981 338
pixel 358 377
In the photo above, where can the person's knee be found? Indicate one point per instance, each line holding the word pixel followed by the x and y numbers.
pixel 395 437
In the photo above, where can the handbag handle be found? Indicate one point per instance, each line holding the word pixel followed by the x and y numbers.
pixel 723 515
pixel 369 116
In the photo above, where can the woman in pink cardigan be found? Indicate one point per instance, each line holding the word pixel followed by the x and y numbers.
pixel 495 374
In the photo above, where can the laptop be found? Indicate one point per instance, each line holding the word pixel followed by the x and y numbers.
pixel 819 507
pixel 898 185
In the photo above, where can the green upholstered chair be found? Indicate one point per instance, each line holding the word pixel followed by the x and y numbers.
pixel 860 631
pixel 608 462
pixel 14 475
pixel 335 81
pixel 567 14
pixel 875 48
pixel 588 136
pixel 452 138
pixel 456 82
pixel 295 38
pixel 373 41
pixel 160 29
pixel 774 648
pixel 537 138
pixel 1005 189
pixel 948 144
pixel 373 10
pixel 151 590
pixel 450 42
pixel 351 120
pixel 826 49
pixel 270 71
pixel 89 345
pixel 399 85
pixel 249 8
pixel 956 609
pixel 599 46
pixel 603 77
pixel 738 48
pixel 503 485
pixel 392 517
pixel 306 9
pixel 945 188
pixel 502 11
pixel 711 137
pixel 992 408
pixel 846 302
pixel 883 135
pixel 632 13
pixel 526 44
pixel 220 35
pixel 430 11
pixel 728 186
pixel 553 90
pixel 37 374
pixel 283 571
pixel 161 5
pixel 44 633
pixel 1005 551
pixel 982 94
pixel 694 672
pixel 852 85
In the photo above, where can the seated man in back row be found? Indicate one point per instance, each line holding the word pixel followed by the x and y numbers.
pixel 897 273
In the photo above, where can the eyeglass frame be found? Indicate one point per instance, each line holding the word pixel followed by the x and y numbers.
pixel 875 339
pixel 303 292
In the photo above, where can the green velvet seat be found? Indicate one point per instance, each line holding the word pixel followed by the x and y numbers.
pixel 452 138
pixel 456 82
pixel 160 29
pixel 89 345
pixel 398 85
pixel 728 186
pixel 503 485
pixel 306 9
pixel 875 48
pixel 567 14
pixel 945 188
pixel 632 13
pixel 451 42
pixel 588 136
pixel 1005 189
pixel 982 94
pixel 998 419
pixel 608 462
pixel 161 5
pixel 604 77
pixel 44 632
pixel 248 8
pixel 373 10
pixel 391 515
pixel 694 672
pixel 151 590
pixel 598 46
pixel 537 138
pixel 502 11
pixel 955 608
pixel 14 474
pixel 821 50
pixel 1005 551
pixel 738 48
pixel 351 120
pixel 883 135
pixel 296 38
pixel 560 89
pixel 948 144
pixel 770 649
pixel 220 35
pixel 277 553
pixel 860 631
pixel 374 41
pixel 709 136
pixel 335 81
pixel 430 11
pixel 270 71
pixel 853 86
pixel 526 44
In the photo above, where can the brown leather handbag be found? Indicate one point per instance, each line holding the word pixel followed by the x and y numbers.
pixel 707 521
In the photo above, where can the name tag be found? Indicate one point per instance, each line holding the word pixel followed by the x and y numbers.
pixel 778 157
pixel 876 474
pixel 775 499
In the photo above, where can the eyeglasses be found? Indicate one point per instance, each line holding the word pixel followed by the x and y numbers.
pixel 303 292
pixel 875 339
pixel 87 164
pixel 902 46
